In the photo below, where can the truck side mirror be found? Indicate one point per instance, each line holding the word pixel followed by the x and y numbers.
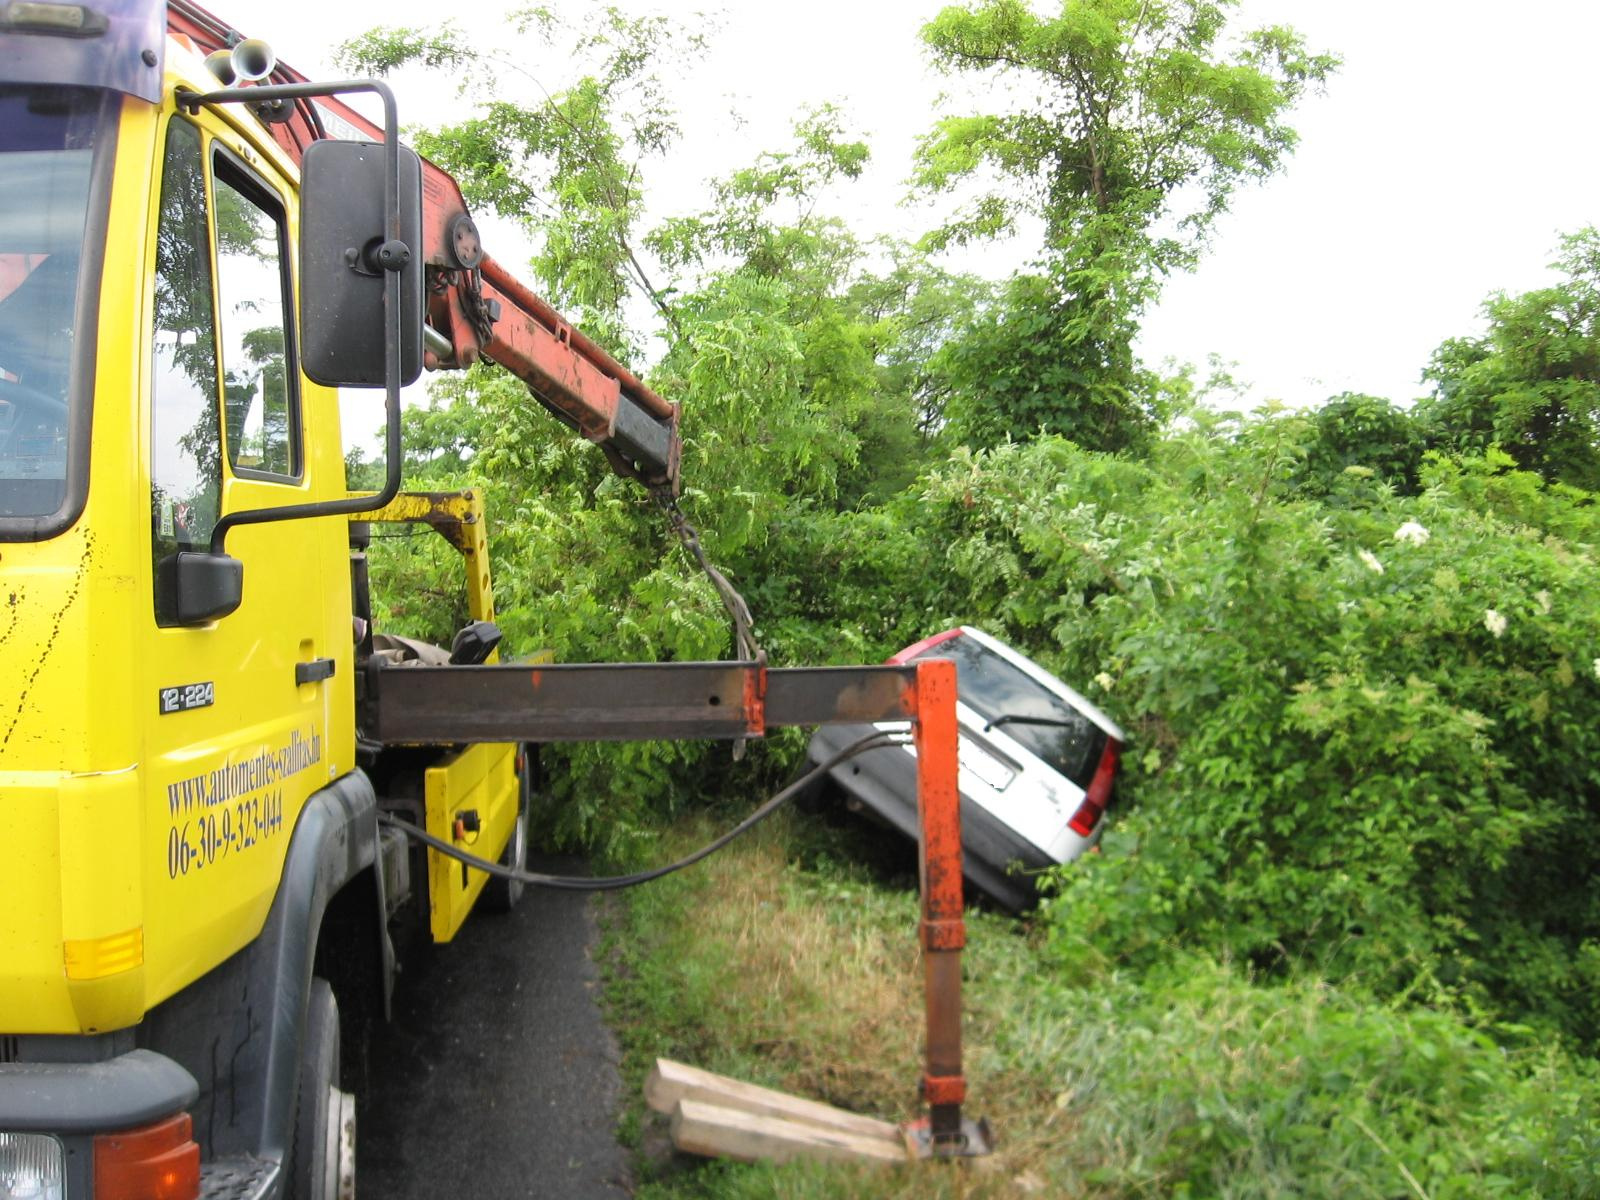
pixel 202 587
pixel 343 253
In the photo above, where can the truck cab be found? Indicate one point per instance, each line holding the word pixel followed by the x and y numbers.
pixel 192 879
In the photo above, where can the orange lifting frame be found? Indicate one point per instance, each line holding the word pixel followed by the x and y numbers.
pixel 622 702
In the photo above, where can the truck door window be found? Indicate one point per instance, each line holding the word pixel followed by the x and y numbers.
pixel 261 413
pixel 185 454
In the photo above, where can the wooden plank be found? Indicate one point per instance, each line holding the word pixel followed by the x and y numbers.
pixel 670 1082
pixel 718 1132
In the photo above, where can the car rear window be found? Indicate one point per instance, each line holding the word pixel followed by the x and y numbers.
pixel 995 689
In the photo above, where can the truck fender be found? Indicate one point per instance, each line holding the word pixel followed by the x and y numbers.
pixel 238 1029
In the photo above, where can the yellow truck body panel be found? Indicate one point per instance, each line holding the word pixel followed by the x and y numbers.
pixel 145 838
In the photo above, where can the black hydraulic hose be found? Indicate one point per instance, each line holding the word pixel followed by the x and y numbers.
pixel 579 883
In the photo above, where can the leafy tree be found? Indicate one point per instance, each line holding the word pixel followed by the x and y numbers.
pixel 362 474
pixel 917 309
pixel 1025 366
pixel 1131 123
pixel 802 382
pixel 1531 384
pixel 762 218
pixel 1365 436
pixel 567 167
pixel 775 287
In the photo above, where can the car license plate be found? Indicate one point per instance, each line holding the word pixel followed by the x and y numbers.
pixel 985 767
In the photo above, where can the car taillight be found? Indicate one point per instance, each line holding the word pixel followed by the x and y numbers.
pixel 1099 794
pixel 153 1162
pixel 926 644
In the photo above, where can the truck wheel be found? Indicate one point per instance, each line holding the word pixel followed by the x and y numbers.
pixel 501 895
pixel 323 1160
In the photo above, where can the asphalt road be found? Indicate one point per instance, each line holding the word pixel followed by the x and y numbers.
pixel 497 1076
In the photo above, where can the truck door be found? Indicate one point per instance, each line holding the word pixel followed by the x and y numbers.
pixel 239 707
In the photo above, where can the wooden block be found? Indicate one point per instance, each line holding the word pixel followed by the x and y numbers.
pixel 749 1137
pixel 671 1082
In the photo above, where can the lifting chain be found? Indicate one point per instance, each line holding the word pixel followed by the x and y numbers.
pixel 746 648
pixel 745 645
pixel 478 311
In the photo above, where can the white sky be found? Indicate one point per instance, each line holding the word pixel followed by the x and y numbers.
pixel 1448 153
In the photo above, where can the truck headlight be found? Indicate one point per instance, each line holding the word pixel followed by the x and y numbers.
pixel 32 1167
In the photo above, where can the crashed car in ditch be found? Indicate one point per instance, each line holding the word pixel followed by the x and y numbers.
pixel 1038 763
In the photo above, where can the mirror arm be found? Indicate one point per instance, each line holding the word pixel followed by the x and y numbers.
pixel 392 264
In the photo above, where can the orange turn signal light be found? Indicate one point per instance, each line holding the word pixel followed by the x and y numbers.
pixel 153 1162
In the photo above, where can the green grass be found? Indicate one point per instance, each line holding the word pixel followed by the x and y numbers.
pixel 782 963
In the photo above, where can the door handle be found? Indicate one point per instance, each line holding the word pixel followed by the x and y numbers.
pixel 314 671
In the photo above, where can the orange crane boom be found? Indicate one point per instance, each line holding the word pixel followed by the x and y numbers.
pixel 478 309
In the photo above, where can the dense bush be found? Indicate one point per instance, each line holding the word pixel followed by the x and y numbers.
pixel 1379 439
pixel 1366 736
pixel 1366 726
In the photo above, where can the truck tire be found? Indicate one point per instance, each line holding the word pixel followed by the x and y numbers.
pixel 501 895
pixel 322 1160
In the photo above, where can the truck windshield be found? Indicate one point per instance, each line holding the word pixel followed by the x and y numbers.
pixel 1009 699
pixel 48 137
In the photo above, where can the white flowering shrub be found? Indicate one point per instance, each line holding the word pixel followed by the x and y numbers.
pixel 1413 533
pixel 1383 767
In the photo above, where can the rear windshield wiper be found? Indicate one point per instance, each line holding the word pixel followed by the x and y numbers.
pixel 1020 719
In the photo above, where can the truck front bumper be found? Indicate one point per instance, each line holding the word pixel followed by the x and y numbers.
pixel 74 1101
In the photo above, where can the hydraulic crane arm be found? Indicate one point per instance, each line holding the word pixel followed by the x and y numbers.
pixel 572 377
pixel 478 309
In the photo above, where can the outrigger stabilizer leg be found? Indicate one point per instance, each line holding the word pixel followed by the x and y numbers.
pixel 944 1132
